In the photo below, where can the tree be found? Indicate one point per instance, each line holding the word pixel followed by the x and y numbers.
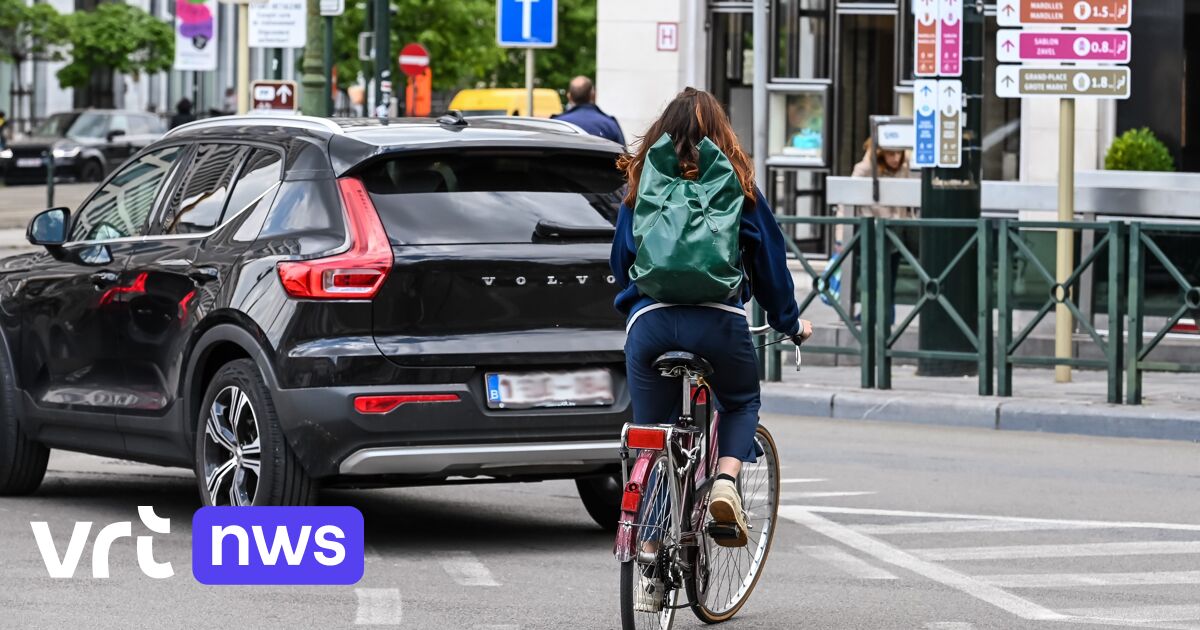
pixel 461 38
pixel 27 33
pixel 116 37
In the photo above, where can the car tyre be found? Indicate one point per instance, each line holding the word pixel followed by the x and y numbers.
pixel 601 498
pixel 22 460
pixel 242 456
pixel 91 171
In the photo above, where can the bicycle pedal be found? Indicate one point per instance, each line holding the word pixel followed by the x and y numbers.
pixel 722 530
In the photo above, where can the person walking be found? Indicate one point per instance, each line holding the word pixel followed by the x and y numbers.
pixel 686 289
pixel 582 111
pixel 183 113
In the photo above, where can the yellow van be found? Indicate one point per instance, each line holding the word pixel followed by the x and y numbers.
pixel 506 102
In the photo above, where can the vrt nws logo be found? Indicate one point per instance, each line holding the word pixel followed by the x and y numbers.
pixel 555 280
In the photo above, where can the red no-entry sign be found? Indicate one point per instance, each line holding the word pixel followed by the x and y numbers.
pixel 414 59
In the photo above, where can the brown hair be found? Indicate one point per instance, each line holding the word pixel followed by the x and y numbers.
pixel 881 158
pixel 691 117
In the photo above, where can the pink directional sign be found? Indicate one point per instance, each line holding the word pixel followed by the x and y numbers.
pixel 950 38
pixel 1078 46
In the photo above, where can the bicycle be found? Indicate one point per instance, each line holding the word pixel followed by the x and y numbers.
pixel 662 553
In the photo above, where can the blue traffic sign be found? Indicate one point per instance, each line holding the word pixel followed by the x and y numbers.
pixel 527 23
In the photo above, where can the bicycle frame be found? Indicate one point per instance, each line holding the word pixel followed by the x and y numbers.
pixel 682 443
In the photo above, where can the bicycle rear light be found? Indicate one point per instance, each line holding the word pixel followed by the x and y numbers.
pixel 632 497
pixel 641 437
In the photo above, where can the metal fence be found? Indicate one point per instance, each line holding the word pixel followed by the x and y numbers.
pixel 1004 258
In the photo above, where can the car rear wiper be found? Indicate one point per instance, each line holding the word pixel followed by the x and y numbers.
pixel 551 229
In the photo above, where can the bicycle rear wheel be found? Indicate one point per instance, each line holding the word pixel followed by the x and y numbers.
pixel 724 577
pixel 642 580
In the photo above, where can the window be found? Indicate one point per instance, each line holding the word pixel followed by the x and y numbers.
pixel 89 125
pixel 118 122
pixel 484 197
pixel 198 204
pixel 144 125
pixel 262 171
pixel 801 39
pixel 122 207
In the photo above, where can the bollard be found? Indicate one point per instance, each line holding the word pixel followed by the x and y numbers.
pixel 48 158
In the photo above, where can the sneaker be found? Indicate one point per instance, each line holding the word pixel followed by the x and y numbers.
pixel 728 527
pixel 649 596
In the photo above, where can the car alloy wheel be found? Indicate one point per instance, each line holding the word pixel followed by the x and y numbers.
pixel 232 451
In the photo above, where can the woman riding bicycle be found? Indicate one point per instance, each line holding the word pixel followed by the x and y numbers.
pixel 717 331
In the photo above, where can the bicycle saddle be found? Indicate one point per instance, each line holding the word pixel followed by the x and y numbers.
pixel 676 362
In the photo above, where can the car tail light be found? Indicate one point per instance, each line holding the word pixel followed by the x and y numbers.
pixel 356 273
pixel 640 437
pixel 384 404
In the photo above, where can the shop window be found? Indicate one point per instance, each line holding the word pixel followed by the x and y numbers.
pixel 801 39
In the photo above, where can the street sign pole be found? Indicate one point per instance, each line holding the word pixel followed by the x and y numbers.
pixel 328 65
pixel 529 73
pixel 383 72
pixel 1064 324
pixel 243 55
pixel 954 193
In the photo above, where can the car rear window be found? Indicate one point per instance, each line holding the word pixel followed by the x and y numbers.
pixel 494 197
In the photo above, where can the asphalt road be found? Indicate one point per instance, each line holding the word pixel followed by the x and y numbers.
pixel 886 526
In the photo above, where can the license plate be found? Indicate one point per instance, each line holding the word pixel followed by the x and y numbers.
pixel 528 390
pixel 29 162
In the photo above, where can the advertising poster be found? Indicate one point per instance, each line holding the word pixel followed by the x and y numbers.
pixel 195 34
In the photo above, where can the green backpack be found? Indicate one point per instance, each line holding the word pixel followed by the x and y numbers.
pixel 686 231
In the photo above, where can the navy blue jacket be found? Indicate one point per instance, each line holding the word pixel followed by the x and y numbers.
pixel 595 122
pixel 764 259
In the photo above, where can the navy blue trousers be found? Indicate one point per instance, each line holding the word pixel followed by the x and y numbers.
pixel 721 337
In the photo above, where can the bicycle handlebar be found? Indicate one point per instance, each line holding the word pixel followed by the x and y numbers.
pixel 765 328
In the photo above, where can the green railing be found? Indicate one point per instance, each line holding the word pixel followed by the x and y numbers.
pixel 1144 245
pixel 979 336
pixel 857 250
pixel 1012 247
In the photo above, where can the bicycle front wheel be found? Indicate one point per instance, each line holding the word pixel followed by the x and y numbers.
pixel 648 596
pixel 724 577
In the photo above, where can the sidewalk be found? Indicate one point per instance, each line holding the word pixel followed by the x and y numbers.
pixel 1171 410
pixel 18 204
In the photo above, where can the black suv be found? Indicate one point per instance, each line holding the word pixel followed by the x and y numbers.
pixel 85 145
pixel 286 302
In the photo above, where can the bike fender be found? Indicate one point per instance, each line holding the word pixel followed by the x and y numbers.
pixel 624 549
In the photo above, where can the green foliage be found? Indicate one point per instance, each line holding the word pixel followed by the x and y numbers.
pixel 30 31
pixel 118 37
pixel 1138 150
pixel 461 38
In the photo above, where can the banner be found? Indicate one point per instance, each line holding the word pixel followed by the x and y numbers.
pixel 195 34
pixel 278 24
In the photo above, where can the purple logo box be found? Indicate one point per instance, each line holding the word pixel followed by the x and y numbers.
pixel 277 545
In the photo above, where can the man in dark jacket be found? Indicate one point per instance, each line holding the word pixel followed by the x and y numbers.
pixel 584 113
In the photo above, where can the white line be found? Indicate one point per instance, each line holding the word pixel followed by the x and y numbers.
pixel 465 568
pixel 855 566
pixel 964 526
pixel 833 509
pixel 1022 608
pixel 823 495
pixel 1058 580
pixel 378 607
pixel 1140 614
pixel 780 481
pixel 1087 550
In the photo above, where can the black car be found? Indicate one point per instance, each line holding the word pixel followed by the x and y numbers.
pixel 85 145
pixel 287 302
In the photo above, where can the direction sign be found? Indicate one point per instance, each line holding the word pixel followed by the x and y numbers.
pixel 949 153
pixel 1076 46
pixel 1064 12
pixel 273 95
pixel 414 59
pixel 1019 81
pixel 926 40
pixel 527 23
pixel 925 123
pixel 949 30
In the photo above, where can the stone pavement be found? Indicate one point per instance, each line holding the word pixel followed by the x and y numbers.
pixel 1171 409
pixel 18 204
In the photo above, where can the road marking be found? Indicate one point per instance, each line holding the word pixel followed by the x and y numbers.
pixel 832 509
pixel 853 565
pixel 1004 600
pixel 378 607
pixel 465 568
pixel 1140 614
pixel 1058 580
pixel 963 526
pixel 1085 550
pixel 823 495
pixel 802 480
